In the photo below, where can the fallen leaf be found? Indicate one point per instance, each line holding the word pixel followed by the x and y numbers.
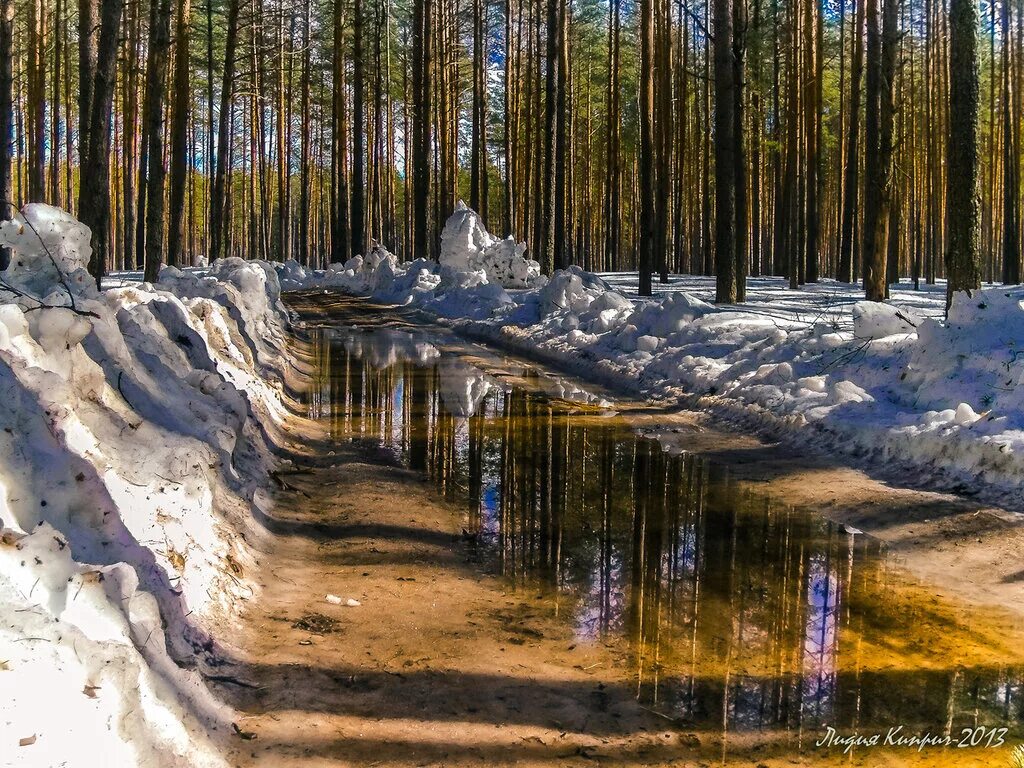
pixel 28 741
pixel 90 691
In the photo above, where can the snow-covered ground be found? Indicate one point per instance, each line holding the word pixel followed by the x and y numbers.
pixel 825 301
pixel 892 384
pixel 134 433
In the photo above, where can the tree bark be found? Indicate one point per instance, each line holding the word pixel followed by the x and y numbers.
pixel 850 182
pixel 358 188
pixel 1011 159
pixel 6 118
pixel 156 75
pixel 478 151
pixel 94 195
pixel 739 154
pixel 963 210
pixel 725 150
pixel 340 239
pixel 218 198
pixel 179 136
pixel 646 172
pixel 875 219
pixel 422 87
pixel 36 102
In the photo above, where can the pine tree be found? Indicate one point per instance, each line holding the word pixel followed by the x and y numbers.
pixel 179 156
pixel 96 99
pixel 6 118
pixel 725 149
pixel 963 212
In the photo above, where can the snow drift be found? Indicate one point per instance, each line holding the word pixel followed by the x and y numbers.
pixel 134 434
pixel 883 382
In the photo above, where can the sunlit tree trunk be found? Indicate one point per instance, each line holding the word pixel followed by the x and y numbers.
pixel 647 240
pixel 1011 158
pixel 97 98
pixel 179 136
pixel 963 268
pixel 850 183
pixel 219 210
pixel 6 118
pixel 725 150
pixel 156 76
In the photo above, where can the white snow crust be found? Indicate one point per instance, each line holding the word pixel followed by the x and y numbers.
pixel 134 431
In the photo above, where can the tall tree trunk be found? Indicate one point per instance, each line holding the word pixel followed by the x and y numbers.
pixel 874 171
pixel 36 103
pixel 179 135
pixel 340 239
pixel 812 132
pixel 133 25
pixel 963 211
pixel 156 76
pixel 88 34
pixel 478 151
pixel 94 196
pixel 725 152
pixel 563 169
pixel 307 139
pixel 850 183
pixel 552 171
pixel 739 13
pixel 509 208
pixel 219 198
pixel 647 241
pixel 613 182
pixel 6 118
pixel 55 118
pixel 1011 159
pixel 422 88
pixel 358 189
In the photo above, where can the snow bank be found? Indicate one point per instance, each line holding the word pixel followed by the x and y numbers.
pixel 134 433
pixel 889 382
pixel 469 281
pixel 467 245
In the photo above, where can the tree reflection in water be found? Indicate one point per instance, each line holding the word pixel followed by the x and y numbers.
pixel 739 612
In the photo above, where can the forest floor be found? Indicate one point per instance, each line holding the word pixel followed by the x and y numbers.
pixel 443 664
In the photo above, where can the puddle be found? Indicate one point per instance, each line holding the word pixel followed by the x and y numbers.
pixel 735 612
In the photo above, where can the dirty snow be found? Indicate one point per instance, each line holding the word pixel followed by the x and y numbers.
pixel 134 433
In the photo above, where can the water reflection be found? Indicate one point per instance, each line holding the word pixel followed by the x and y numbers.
pixel 738 611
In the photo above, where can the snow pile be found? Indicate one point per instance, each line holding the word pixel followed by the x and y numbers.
pixel 134 434
pixel 49 250
pixel 467 245
pixel 885 382
pixel 873 320
pixel 470 280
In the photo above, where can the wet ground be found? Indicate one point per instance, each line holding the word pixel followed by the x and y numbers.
pixel 540 582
